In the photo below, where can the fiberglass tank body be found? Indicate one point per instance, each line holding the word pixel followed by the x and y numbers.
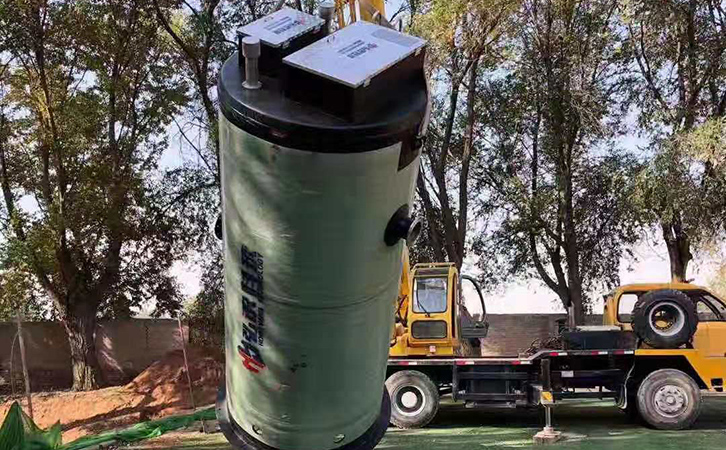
pixel 315 204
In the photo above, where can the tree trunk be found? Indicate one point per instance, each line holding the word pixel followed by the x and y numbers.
pixel 577 310
pixel 679 249
pixel 572 255
pixel 80 326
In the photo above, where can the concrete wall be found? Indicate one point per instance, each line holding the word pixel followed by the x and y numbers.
pixel 125 348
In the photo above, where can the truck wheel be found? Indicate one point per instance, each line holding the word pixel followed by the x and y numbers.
pixel 665 319
pixel 414 399
pixel 668 399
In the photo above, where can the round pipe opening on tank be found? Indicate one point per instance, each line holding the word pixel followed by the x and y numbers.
pixel 315 191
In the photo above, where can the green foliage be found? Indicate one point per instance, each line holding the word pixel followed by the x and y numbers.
pixel 678 49
pixel 20 293
pixel 706 144
pixel 462 25
pixel 91 91
pixel 683 188
pixel 112 89
pixel 521 168
pixel 205 313
pixel 675 184
pixel 562 190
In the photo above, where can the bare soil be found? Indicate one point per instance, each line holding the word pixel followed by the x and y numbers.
pixel 161 390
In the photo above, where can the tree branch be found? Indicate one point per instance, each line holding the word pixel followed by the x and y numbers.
pixel 430 216
pixel 188 51
pixel 644 65
pixel 466 162
pixel 17 224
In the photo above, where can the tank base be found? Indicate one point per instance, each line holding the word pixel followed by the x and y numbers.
pixel 241 440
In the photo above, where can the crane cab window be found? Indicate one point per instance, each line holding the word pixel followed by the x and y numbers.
pixel 429 295
pixel 709 308
pixel 625 306
pixel 717 306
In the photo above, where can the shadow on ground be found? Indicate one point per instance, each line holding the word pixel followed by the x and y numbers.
pixel 596 426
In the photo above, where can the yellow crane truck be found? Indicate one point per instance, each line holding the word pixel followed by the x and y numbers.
pixel 661 347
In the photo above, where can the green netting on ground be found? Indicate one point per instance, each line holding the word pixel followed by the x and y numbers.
pixel 18 432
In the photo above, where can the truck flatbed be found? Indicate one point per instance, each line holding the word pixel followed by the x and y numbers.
pixel 497 360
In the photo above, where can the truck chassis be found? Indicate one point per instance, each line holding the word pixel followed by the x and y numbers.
pixel 546 378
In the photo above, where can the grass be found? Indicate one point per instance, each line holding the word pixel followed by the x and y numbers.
pixel 593 426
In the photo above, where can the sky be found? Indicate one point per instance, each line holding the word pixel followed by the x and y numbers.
pixel 651 265
pixel 532 297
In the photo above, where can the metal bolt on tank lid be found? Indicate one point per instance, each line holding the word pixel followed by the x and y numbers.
pixel 251 51
pixel 326 12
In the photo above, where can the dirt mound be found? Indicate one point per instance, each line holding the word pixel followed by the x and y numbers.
pixel 205 369
pixel 160 390
pixel 164 386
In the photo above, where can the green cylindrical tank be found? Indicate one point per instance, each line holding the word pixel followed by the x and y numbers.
pixel 315 208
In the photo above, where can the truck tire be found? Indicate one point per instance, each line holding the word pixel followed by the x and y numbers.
pixel 669 399
pixel 665 319
pixel 414 399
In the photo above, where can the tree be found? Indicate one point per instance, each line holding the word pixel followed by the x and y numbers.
pixel 679 49
pixel 465 38
pixel 203 36
pixel 563 192
pixel 94 88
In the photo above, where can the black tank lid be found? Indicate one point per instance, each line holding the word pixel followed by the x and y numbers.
pixel 305 111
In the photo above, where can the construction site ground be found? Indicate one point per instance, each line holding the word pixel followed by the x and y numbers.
pixel 159 391
pixel 592 426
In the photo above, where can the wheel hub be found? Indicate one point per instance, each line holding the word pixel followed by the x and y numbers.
pixel 409 400
pixel 671 400
pixel 667 318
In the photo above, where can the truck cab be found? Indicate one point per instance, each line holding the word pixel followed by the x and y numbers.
pixel 704 356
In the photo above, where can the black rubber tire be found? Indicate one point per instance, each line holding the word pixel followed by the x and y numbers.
pixel 647 331
pixel 427 399
pixel 653 415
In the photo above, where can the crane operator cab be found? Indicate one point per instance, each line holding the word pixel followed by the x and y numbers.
pixel 431 316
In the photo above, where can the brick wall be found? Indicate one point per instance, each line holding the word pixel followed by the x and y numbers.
pixel 510 334
pixel 125 348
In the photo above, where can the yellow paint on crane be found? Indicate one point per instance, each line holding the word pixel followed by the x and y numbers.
pixel 546 398
pixel 364 8
pixel 378 4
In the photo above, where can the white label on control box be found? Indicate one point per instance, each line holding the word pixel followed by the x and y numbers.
pixel 281 26
pixel 355 54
